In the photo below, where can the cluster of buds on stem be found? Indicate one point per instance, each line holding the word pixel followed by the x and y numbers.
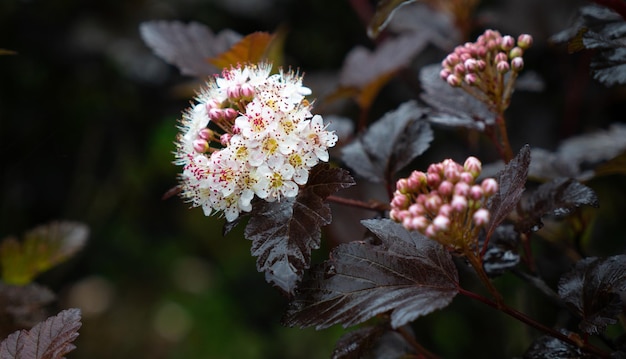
pixel 487 68
pixel 250 133
pixel 445 203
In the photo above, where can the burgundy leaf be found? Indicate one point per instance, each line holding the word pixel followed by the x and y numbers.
pixel 501 254
pixel 452 106
pixel 187 46
pixel 420 17
pixel 593 290
pixel 407 275
pixel 511 182
pixel 384 12
pixel 389 144
pixel 51 339
pixel 558 197
pixel 548 347
pixel 357 343
pixel 284 233
pixel 601 29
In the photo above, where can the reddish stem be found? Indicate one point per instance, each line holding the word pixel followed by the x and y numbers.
pixel 585 346
pixel 423 352
pixel 372 206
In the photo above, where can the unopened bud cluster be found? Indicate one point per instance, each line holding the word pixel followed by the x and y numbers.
pixel 485 63
pixel 250 134
pixel 444 203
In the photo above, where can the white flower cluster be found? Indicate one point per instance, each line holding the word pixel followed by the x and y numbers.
pixel 250 133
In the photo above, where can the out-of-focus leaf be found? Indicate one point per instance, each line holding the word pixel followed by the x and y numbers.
pixel 364 72
pixel 187 46
pixel 251 49
pixel 384 11
pixel 357 343
pixel 7 52
pixel 511 182
pixel 602 29
pixel 284 233
pixel 372 342
pixel 407 275
pixel 592 288
pixel 51 339
pixel 389 144
pixel 558 197
pixel 548 347
pixel 435 25
pixel 616 165
pixel 501 254
pixel 22 306
pixel 452 106
pixel 41 249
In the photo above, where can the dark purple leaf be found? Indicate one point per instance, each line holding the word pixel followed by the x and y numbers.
pixel 363 67
pixel 407 275
pixel 51 339
pixel 547 347
pixel 22 306
pixel 384 12
pixel 602 29
pixel 558 197
pixel 501 254
pixel 284 233
pixel 357 343
pixel 389 144
pixel 187 46
pixel 420 17
pixel 593 290
pixel 452 106
pixel 511 182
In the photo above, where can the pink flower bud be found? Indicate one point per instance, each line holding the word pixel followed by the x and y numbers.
pixel 451 173
pixel 215 114
pixel 489 186
pixel 417 179
pixel 225 139
pixel 473 166
pixel 471 79
pixel 212 103
pixel 433 203
pixel 445 188
pixel 517 64
pixel 433 180
pixel 200 146
pixel 476 192
pixel 205 134
pixel 524 41
pixel 466 177
pixel 465 56
pixel 500 56
pixel 481 217
pixel 416 209
pixel 502 67
pixel 459 203
pixel 461 189
pixel 471 65
pixel 233 92
pixel 402 186
pixel 459 69
pixel 516 52
pixel 419 223
pixel 441 223
pixel 247 90
pixel 453 81
pixel 406 223
pixel 430 231
pixel 230 113
pixel 492 45
pixel 444 73
pixel 452 59
pixel 507 43
pixel 399 201
pixel 481 64
pixel 445 210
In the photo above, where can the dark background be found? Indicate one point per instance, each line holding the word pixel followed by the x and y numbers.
pixel 87 122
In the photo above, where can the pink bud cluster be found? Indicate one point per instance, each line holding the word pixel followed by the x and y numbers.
pixel 444 203
pixel 483 64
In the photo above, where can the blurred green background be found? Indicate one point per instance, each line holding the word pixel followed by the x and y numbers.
pixel 87 121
